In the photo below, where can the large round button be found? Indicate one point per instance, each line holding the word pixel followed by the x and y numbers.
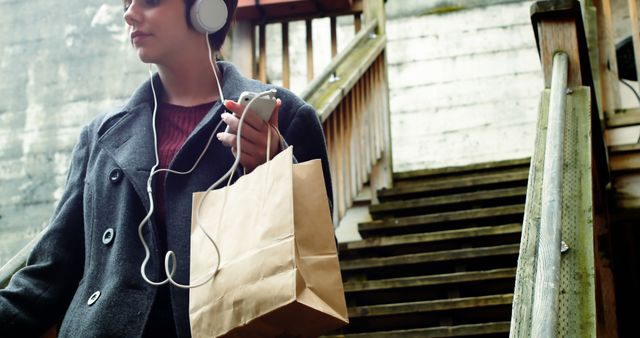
pixel 93 298
pixel 107 236
pixel 115 175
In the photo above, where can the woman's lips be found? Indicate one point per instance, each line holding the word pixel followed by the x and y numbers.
pixel 137 36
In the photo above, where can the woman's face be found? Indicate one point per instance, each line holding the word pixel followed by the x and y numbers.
pixel 158 29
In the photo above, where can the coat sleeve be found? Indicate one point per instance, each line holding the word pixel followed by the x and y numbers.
pixel 307 138
pixel 38 295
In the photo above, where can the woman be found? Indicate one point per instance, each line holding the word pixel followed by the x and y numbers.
pixel 85 273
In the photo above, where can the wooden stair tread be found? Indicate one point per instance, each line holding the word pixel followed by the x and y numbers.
pixel 468 253
pixel 377 242
pixel 624 158
pixel 447 199
pixel 448 278
pixel 430 306
pixel 454 183
pixel 624 118
pixel 461 169
pixel 442 217
pixel 435 332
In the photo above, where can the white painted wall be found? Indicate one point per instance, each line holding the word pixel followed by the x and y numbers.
pixel 464 85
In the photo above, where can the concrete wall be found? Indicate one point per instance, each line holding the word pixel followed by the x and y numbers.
pixel 465 82
pixel 61 63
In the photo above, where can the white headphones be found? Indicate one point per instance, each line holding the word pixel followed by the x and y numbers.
pixel 208 16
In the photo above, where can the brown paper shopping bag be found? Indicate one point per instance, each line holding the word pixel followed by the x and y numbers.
pixel 279 274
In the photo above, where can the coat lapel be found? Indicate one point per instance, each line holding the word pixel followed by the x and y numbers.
pixel 128 139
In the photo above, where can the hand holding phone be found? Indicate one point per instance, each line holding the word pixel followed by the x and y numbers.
pixel 254 138
pixel 262 106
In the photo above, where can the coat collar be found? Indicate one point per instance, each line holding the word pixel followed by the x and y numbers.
pixel 126 134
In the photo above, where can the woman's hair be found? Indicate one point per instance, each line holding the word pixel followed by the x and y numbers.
pixel 217 39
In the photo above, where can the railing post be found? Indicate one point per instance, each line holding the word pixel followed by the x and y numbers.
pixel 607 62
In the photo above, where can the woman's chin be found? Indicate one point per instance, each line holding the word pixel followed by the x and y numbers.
pixel 146 57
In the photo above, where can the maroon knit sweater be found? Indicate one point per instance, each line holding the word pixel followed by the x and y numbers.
pixel 173 125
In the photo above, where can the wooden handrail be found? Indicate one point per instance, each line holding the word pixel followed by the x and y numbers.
pixel 545 300
pixel 558 27
pixel 318 80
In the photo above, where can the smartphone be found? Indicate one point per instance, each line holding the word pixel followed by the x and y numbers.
pixel 263 106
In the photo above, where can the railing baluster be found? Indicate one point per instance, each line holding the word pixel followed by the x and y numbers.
pixel 368 114
pixel 362 113
pixel 355 141
pixel 309 30
pixel 262 63
pixel 357 23
pixel 286 75
pixel 344 121
pixel 334 36
pixel 338 132
pixel 376 109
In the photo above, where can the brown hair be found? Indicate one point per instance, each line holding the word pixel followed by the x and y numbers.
pixel 217 39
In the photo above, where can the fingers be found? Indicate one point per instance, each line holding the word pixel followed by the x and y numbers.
pixel 251 119
pixel 254 134
pixel 252 154
pixel 274 116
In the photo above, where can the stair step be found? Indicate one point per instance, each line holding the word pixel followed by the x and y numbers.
pixel 438 256
pixel 430 204
pixel 430 306
pixel 625 158
pixel 410 282
pixel 435 332
pixel 409 224
pixel 462 170
pixel 377 243
pixel 454 185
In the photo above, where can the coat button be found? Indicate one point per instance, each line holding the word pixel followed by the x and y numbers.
pixel 107 236
pixel 93 298
pixel 115 175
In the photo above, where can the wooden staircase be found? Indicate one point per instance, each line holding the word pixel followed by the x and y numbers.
pixel 439 258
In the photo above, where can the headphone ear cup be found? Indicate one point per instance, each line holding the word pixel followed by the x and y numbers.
pixel 208 16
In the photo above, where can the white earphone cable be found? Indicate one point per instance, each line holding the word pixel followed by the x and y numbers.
pixel 170 257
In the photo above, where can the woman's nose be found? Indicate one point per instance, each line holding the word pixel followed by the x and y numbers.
pixel 132 15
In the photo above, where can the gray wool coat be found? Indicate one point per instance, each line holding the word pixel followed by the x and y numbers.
pixel 85 272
